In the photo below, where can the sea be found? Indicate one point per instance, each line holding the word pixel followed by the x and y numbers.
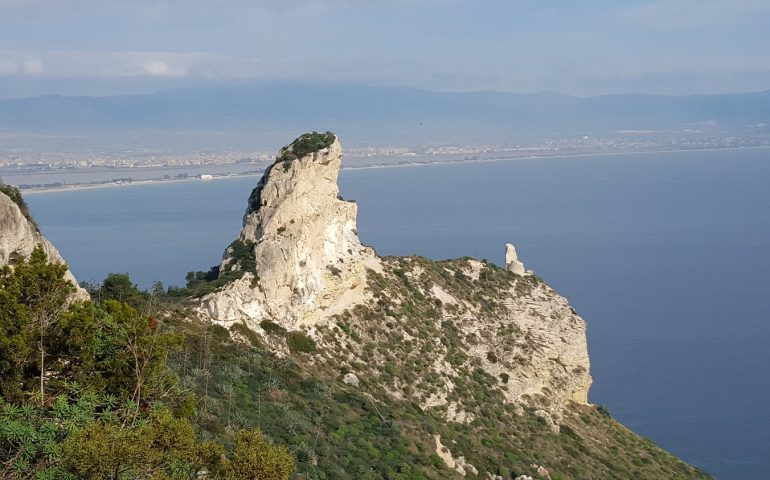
pixel 665 255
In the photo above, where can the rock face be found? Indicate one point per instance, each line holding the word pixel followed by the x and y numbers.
pixel 471 316
pixel 512 263
pixel 310 263
pixel 19 236
pixel 301 265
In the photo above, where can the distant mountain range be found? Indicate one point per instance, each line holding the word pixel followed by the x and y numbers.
pixel 378 114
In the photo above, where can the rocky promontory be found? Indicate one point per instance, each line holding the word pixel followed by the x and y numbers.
pixel 306 269
pixel 304 261
pixel 357 366
pixel 404 367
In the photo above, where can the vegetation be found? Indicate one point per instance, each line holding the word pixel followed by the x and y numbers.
pixel 86 389
pixel 305 144
pixel 199 283
pixel 300 343
pixel 255 198
pixel 336 431
pixel 132 385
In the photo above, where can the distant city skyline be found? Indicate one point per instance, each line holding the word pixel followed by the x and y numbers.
pixel 90 47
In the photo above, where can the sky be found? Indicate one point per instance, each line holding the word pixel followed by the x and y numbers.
pixel 588 47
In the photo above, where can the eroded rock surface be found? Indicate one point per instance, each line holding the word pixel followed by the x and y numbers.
pixel 512 263
pixel 19 236
pixel 438 323
pixel 310 263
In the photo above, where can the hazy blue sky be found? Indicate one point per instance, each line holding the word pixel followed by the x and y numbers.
pixel 581 47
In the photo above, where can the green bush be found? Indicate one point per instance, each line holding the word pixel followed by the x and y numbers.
pixel 272 327
pixel 300 343
pixel 304 145
pixel 250 335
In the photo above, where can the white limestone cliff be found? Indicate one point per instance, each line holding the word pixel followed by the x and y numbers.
pixel 309 267
pixel 310 263
pixel 19 236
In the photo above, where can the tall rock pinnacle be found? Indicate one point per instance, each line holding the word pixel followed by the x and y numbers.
pixel 308 262
pixel 298 262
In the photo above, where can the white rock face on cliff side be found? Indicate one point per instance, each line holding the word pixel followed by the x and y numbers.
pixel 18 237
pixel 512 263
pixel 310 263
pixel 305 266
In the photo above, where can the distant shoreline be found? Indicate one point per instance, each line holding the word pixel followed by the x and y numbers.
pixel 98 186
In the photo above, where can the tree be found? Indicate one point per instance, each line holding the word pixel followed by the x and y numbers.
pixel 134 353
pixel 35 295
pixel 118 286
pixel 110 405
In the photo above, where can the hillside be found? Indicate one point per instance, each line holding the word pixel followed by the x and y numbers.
pixel 304 355
pixel 487 362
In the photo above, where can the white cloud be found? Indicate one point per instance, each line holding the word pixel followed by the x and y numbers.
pixel 8 67
pixel 157 68
pixel 32 66
pixel 78 64
pixel 19 65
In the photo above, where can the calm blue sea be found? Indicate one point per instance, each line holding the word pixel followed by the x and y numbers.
pixel 666 256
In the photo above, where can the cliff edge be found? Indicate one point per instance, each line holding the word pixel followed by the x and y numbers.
pixel 303 261
pixel 301 266
pixel 19 235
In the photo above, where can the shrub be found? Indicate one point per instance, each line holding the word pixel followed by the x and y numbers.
pixel 304 145
pixel 271 327
pixel 250 335
pixel 255 199
pixel 220 333
pixel 243 254
pixel 300 343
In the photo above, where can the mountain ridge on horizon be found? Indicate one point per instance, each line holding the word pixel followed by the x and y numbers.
pixel 253 84
pixel 395 113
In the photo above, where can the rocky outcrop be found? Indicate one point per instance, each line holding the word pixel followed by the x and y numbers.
pixel 472 317
pixel 512 263
pixel 19 236
pixel 309 262
pixel 300 265
pixel 458 464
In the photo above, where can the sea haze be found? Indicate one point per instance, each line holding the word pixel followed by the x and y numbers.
pixel 665 256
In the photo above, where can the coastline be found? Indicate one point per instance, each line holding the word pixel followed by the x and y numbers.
pixel 88 186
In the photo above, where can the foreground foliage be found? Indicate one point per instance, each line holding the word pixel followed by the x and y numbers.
pixel 86 391
pixel 124 388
